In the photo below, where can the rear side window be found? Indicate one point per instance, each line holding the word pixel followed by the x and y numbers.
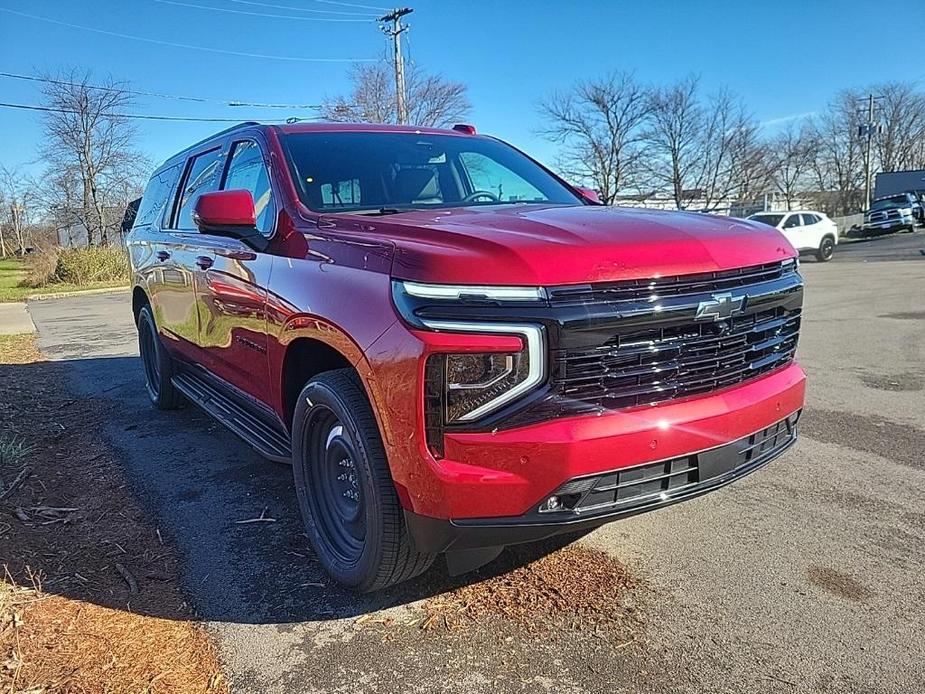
pixel 810 219
pixel 772 219
pixel 157 194
pixel 200 177
pixel 247 171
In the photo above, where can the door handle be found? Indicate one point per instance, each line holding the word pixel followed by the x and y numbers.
pixel 162 256
pixel 204 262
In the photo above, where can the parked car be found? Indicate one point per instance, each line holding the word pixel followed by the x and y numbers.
pixel 892 213
pixel 455 349
pixel 806 230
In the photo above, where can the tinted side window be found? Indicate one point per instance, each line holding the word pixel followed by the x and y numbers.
pixel 199 179
pixel 247 171
pixel 157 194
pixel 792 221
pixel 810 219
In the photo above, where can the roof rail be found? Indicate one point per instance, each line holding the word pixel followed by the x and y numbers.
pixel 237 126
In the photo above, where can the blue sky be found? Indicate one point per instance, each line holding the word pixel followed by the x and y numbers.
pixel 783 58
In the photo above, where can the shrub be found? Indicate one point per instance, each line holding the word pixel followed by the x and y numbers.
pixel 93 264
pixel 78 266
pixel 40 266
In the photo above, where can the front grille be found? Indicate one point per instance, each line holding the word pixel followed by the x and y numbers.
pixel 648 366
pixel 661 287
pixel 648 346
pixel 640 484
pixel 883 216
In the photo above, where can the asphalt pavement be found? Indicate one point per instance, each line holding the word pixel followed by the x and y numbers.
pixel 804 577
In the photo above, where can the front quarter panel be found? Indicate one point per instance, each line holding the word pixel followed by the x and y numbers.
pixel 336 291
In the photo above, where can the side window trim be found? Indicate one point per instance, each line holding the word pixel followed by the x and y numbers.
pixel 226 169
pixel 178 194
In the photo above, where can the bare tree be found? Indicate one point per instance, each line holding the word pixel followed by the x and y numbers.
pixel 432 100
pixel 675 137
pixel 729 132
pixel 90 152
pixel 901 141
pixel 599 124
pixel 838 162
pixel 701 148
pixel 793 152
pixel 4 252
pixel 17 196
pixel 752 163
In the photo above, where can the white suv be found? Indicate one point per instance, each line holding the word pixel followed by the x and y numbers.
pixel 805 230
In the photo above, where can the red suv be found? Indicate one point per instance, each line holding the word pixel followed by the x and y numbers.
pixel 456 349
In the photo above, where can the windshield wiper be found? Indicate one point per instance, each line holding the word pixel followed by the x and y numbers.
pixel 379 212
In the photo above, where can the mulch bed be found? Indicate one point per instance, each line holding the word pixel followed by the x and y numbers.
pixel 573 588
pixel 90 600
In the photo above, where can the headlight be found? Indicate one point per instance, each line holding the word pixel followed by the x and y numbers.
pixel 465 387
pixel 476 384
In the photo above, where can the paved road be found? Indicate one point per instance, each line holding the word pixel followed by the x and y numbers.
pixel 805 577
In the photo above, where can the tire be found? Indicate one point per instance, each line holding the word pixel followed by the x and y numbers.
pixel 158 366
pixel 346 495
pixel 826 249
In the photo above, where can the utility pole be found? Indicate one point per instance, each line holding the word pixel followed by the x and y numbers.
pixel 868 129
pixel 395 31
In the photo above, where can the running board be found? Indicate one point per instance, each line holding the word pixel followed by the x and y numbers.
pixel 269 441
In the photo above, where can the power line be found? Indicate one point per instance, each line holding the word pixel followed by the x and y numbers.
pixel 132 116
pixel 220 51
pixel 261 14
pixel 202 100
pixel 350 4
pixel 299 9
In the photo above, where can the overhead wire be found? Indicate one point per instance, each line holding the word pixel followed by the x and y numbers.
pixel 139 92
pixel 136 116
pixel 351 4
pixel 299 9
pixel 220 51
pixel 178 3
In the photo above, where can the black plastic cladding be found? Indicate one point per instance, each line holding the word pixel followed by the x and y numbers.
pixel 586 317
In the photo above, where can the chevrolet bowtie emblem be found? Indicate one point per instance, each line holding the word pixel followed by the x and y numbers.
pixel 720 307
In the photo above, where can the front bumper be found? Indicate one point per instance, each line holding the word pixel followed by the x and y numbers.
pixel 509 472
pixel 613 495
pixel 888 225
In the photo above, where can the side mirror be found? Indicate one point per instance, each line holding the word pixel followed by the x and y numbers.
pixel 590 195
pixel 229 213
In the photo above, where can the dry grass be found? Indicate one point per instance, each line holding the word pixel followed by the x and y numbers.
pixel 90 598
pixel 18 349
pixel 573 588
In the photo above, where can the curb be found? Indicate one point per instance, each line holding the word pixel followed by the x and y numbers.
pixel 80 292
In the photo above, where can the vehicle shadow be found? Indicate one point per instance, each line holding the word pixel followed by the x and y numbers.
pixel 231 516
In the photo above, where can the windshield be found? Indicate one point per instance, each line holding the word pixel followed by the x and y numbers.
pixel 772 219
pixel 389 171
pixel 886 203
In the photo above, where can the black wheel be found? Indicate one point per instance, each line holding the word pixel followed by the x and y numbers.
pixel 157 364
pixel 346 495
pixel 826 249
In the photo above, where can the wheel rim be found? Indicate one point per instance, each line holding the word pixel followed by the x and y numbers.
pixel 827 248
pixel 335 495
pixel 149 358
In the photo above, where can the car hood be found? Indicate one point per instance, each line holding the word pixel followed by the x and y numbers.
pixel 548 245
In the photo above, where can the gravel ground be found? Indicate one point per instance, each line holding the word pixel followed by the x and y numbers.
pixel 805 577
